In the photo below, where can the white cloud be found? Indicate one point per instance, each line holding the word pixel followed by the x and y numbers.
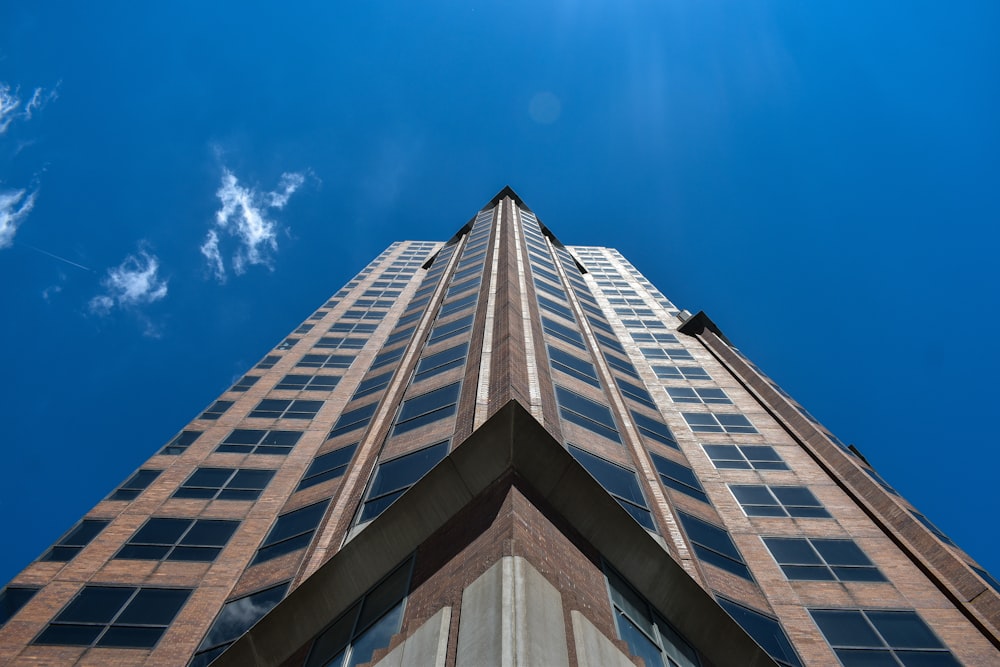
pixel 10 104
pixel 15 205
pixel 133 283
pixel 243 217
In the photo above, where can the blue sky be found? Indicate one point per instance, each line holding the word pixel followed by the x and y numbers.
pixel 820 178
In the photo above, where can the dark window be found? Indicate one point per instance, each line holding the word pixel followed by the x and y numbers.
pixel 12 598
pixel 388 357
pixel 268 362
pixel 443 331
pixel 931 527
pixel 545 287
pixel 681 373
pixel 75 540
pixel 679 477
pixel 589 414
pixel 291 532
pixel 612 343
pixel 672 353
pixel 713 545
pixel 326 361
pixel 461 287
pixel 654 429
pixel 305 328
pixel 620 482
pixel 274 408
pixel 563 333
pixel 180 443
pixel 621 365
pixel 410 317
pixel 875 637
pixel 367 626
pixel 460 304
pixel 327 466
pixel 245 383
pixel 373 384
pixel 760 500
pixel 647 337
pixel 253 441
pixel 599 323
pixel 707 422
pixel 353 420
pixel 557 308
pixel 392 478
pixel 697 395
pixel 548 275
pixel 745 457
pixel 819 559
pixel 987 577
pixel 573 366
pixel 216 410
pixel 353 327
pixel 766 631
pixel 308 382
pixel 427 408
pixel 225 484
pixel 340 343
pixel 636 393
pixel 179 539
pixel 115 617
pixel 399 336
pixel 647 634
pixel 135 484
pixel 287 344
pixel 453 357
pixel 236 617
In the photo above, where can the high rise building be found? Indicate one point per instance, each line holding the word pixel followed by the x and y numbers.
pixel 503 450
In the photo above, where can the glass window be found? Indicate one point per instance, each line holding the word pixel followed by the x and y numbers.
pixel 708 422
pixel 326 361
pixel 340 343
pixel 75 540
pixel 636 393
pixel 681 373
pixel 245 383
pixel 179 539
pixel 252 441
pixel 713 544
pixel 654 429
pixel 308 382
pixel 453 357
pixel 620 482
pixel 765 630
pixel 557 308
pixel 875 637
pixel 135 484
pixel 563 333
pixel 12 598
pixel 745 457
pixel 449 329
pixel 366 627
pixel 216 410
pixel 393 477
pixel 291 532
pixel 225 484
pixel 679 477
pixel 697 395
pixel 180 443
pixel 671 353
pixel 327 466
pixel 372 385
pixel 388 357
pixel 820 559
pixel 273 408
pixel 353 420
pixel 237 616
pixel 573 366
pixel 647 634
pixel 621 365
pixel 781 501
pixel 458 304
pixel 117 617
pixel 268 362
pixel 399 336
pixel 427 408
pixel 589 414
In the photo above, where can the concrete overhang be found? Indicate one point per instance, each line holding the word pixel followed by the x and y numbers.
pixel 512 448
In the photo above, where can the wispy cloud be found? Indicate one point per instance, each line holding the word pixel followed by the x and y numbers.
pixel 243 218
pixel 11 108
pixel 133 283
pixel 15 205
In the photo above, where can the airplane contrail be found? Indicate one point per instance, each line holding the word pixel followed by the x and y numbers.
pixel 61 259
